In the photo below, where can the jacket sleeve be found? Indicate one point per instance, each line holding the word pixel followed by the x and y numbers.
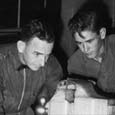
pixel 54 74
pixel 1 86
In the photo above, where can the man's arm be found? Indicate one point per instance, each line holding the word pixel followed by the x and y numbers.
pixel 1 101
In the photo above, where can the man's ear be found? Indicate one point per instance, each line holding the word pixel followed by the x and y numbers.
pixel 103 33
pixel 21 46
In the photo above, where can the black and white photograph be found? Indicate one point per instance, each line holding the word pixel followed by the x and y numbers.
pixel 57 57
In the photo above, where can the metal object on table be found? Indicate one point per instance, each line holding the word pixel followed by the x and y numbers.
pixel 83 104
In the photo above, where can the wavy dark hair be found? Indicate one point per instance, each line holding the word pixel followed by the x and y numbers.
pixel 37 28
pixel 91 16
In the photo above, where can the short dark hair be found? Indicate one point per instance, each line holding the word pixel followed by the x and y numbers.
pixel 87 19
pixel 37 28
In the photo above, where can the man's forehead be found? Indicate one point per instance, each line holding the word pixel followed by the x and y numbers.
pixel 42 46
pixel 84 36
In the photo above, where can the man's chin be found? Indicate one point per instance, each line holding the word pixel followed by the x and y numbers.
pixel 34 68
pixel 90 56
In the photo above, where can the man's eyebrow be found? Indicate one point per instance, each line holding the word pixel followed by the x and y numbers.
pixel 90 40
pixel 38 52
pixel 78 42
pixel 41 53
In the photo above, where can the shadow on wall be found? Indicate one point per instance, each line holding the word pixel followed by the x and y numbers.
pixel 52 13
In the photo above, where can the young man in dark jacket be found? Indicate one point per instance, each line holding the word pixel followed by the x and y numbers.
pixel 95 56
pixel 28 69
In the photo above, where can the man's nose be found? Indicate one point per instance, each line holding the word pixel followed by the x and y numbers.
pixel 85 47
pixel 42 61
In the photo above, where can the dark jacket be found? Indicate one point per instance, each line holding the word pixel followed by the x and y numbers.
pixel 19 88
pixel 104 72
